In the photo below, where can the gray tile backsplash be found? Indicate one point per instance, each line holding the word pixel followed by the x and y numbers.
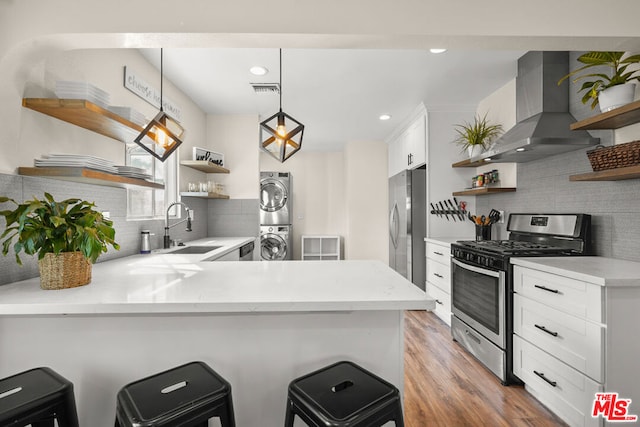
pixel 240 219
pixel 228 218
pixel 544 187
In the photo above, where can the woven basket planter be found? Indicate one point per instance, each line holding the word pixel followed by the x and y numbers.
pixel 65 270
pixel 615 156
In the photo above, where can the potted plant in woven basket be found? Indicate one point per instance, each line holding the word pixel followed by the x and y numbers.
pixel 608 89
pixel 477 136
pixel 68 237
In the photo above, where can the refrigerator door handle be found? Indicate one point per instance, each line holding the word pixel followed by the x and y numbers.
pixel 393 225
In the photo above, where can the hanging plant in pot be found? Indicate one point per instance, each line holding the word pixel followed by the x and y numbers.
pixel 608 90
pixel 476 137
pixel 68 237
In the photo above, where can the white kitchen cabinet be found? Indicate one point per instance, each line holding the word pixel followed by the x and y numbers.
pixel 408 144
pixel 321 248
pixel 438 277
pixel 574 332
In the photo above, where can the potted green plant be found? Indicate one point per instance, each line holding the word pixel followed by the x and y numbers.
pixel 610 89
pixel 68 237
pixel 477 136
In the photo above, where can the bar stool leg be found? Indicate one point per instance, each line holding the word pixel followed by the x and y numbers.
pixel 43 423
pixel 289 414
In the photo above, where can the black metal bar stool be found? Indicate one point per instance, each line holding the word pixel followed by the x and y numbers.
pixel 186 396
pixel 343 394
pixel 37 397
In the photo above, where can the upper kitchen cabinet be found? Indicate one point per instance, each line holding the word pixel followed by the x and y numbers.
pixel 407 144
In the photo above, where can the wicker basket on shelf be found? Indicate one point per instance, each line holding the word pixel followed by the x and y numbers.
pixel 615 156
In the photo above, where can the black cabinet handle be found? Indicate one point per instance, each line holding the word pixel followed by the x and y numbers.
pixel 439 302
pixel 541 375
pixel 544 288
pixel 542 328
pixel 438 275
pixel 438 253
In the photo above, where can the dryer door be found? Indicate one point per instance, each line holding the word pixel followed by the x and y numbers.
pixel 273 195
pixel 273 247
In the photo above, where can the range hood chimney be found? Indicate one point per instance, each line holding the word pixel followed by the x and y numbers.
pixel 542 113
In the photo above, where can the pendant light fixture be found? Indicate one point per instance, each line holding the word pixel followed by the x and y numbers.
pixel 281 134
pixel 163 134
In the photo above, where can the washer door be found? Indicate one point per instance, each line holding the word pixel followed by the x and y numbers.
pixel 273 247
pixel 273 195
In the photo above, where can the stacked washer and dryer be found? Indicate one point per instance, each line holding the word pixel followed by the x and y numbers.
pixel 275 216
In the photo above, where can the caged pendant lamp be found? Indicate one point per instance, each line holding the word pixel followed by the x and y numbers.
pixel 281 134
pixel 163 134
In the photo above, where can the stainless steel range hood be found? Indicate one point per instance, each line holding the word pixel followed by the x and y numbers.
pixel 542 113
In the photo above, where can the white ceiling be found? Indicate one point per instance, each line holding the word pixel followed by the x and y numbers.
pixel 338 94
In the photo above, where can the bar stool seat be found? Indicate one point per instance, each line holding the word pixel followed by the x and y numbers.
pixel 343 394
pixel 184 396
pixel 37 397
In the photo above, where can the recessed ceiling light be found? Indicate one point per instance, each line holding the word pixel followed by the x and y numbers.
pixel 520 149
pixel 436 50
pixel 258 70
pixel 488 159
pixel 384 117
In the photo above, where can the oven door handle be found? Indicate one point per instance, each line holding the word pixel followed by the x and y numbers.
pixel 476 269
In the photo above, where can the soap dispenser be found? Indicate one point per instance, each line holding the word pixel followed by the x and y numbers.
pixel 145 243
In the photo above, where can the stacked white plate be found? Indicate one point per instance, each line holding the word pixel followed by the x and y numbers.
pixel 82 90
pixel 133 172
pixel 129 114
pixel 76 161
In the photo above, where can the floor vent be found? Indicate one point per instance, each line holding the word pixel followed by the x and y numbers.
pixel 265 88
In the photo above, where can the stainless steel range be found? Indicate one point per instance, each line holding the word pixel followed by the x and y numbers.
pixel 481 281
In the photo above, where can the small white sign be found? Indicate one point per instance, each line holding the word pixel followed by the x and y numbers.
pixel 144 90
pixel 208 155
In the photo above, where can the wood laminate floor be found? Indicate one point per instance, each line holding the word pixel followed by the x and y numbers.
pixel 446 386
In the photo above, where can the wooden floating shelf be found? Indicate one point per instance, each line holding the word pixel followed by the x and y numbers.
pixel 469 164
pixel 618 174
pixel 204 195
pixel 614 119
pixel 87 176
pixel 484 190
pixel 204 166
pixel 87 115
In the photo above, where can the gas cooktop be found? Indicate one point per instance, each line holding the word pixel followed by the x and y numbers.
pixel 513 247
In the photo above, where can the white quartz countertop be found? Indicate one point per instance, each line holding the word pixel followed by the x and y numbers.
pixel 171 283
pixel 447 241
pixel 593 269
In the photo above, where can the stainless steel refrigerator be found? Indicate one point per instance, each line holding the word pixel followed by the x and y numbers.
pixel 407 224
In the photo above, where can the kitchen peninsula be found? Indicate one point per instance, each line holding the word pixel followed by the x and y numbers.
pixel 259 324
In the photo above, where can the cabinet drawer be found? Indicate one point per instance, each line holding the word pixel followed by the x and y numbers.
pixel 569 295
pixel 439 275
pixel 575 341
pixel 566 392
pixel 443 302
pixel 439 253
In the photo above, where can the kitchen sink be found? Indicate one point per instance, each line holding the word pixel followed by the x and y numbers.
pixel 194 250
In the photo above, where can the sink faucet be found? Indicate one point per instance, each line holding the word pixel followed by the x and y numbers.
pixel 167 239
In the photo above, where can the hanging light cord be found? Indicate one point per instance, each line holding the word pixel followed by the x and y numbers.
pixel 161 74
pixel 280 79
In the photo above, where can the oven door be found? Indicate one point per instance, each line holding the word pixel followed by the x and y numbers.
pixel 478 299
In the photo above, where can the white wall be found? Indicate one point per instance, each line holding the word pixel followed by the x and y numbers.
pixel 442 179
pixel 237 138
pixel 367 200
pixel 318 184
